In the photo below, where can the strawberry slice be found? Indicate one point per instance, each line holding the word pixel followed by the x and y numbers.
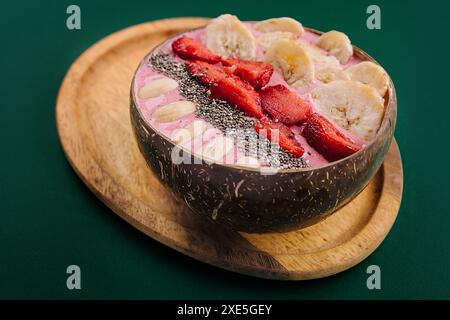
pixel 238 93
pixel 284 105
pixel 257 74
pixel 205 72
pixel 286 139
pixel 323 136
pixel 229 88
pixel 190 49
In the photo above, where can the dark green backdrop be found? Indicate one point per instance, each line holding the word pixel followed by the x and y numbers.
pixel 49 219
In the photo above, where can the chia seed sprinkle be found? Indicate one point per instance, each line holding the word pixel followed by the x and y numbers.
pixel 224 117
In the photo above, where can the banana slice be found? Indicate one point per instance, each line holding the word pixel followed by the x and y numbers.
pixel 290 59
pixel 227 36
pixel 173 111
pixel 280 24
pixel 371 74
pixel 326 68
pixel 337 44
pixel 157 87
pixel 217 148
pixel 265 40
pixel 329 74
pixel 352 105
pixel 190 132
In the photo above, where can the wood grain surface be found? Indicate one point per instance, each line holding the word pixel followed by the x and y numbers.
pixel 93 123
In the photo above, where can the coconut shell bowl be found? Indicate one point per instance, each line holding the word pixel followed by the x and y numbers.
pixel 245 199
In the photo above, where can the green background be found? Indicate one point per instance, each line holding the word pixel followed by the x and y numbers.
pixel 50 220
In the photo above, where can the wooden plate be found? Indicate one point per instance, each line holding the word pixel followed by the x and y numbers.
pixel 93 122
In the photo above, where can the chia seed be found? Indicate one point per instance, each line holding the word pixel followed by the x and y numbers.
pixel 224 117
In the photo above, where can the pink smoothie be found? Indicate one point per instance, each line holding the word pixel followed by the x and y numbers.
pixel 147 107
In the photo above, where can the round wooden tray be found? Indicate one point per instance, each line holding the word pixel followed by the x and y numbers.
pixel 93 122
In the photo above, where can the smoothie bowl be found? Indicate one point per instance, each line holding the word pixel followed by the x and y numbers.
pixel 262 126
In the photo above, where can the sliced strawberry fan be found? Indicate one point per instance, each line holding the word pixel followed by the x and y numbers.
pixel 323 136
pixel 278 132
pixel 229 88
pixel 190 49
pixel 284 105
pixel 256 73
